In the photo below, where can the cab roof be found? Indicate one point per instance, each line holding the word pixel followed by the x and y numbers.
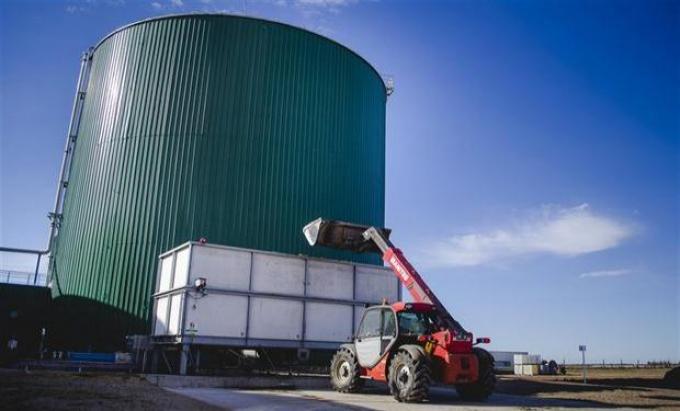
pixel 417 307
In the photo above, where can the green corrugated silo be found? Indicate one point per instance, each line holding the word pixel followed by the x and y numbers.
pixel 231 128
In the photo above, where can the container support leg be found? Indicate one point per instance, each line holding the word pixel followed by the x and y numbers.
pixel 197 360
pixel 183 359
pixel 154 360
pixel 144 360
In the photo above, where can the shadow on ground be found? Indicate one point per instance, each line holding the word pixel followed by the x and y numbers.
pixel 446 396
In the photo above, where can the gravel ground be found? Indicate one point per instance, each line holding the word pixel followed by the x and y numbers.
pixel 55 390
pixel 639 388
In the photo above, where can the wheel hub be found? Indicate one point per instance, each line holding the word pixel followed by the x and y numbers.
pixel 403 377
pixel 344 371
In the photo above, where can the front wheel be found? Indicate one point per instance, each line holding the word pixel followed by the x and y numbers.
pixel 409 377
pixel 345 371
pixel 481 389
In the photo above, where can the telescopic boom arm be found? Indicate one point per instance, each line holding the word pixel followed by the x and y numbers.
pixel 359 238
pixel 403 269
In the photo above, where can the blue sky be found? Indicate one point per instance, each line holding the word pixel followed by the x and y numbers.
pixel 532 151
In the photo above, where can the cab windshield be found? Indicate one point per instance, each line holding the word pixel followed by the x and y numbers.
pixel 417 323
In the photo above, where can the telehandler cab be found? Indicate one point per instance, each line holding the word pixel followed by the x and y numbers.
pixel 409 345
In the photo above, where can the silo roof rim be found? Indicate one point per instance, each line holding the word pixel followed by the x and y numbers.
pixel 199 14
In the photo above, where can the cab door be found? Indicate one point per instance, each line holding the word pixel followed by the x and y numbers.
pixel 376 334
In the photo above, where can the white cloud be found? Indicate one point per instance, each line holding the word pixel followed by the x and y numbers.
pixel 177 3
pixel 156 5
pixel 325 3
pixel 80 6
pixel 605 273
pixel 554 230
pixel 315 8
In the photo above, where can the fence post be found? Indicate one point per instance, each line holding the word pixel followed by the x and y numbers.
pixel 37 267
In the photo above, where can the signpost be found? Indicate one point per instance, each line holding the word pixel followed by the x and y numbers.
pixel 582 348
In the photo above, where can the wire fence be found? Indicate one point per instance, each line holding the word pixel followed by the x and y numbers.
pixel 620 365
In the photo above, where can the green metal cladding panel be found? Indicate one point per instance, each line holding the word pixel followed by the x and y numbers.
pixel 231 128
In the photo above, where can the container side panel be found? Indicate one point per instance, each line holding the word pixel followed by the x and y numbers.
pixel 278 274
pixel 181 277
pixel 166 273
pixel 375 284
pixel 175 314
pixel 330 280
pixel 161 316
pixel 224 269
pixel 218 316
pixel 273 318
pixel 328 322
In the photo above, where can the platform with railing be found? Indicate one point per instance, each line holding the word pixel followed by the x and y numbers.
pixel 23 267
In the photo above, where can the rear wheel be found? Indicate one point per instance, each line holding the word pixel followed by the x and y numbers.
pixel 345 371
pixel 482 388
pixel 409 377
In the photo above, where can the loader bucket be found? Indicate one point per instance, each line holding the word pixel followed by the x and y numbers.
pixel 341 235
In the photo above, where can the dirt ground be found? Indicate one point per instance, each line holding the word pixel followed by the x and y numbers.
pixel 632 387
pixel 56 390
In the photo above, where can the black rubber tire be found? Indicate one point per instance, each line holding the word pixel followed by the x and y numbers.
pixel 414 384
pixel 481 389
pixel 345 371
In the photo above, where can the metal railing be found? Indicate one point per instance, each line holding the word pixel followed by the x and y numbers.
pixel 23 278
pixel 22 266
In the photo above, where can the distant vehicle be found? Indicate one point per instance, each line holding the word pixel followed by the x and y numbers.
pixel 550 367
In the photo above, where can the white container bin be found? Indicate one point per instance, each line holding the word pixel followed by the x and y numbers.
pixel 526 364
pixel 263 299
pixel 504 361
pixel 527 359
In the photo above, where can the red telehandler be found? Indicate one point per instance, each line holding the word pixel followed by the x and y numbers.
pixel 409 345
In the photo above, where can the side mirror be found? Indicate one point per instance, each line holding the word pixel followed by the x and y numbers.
pixel 482 340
